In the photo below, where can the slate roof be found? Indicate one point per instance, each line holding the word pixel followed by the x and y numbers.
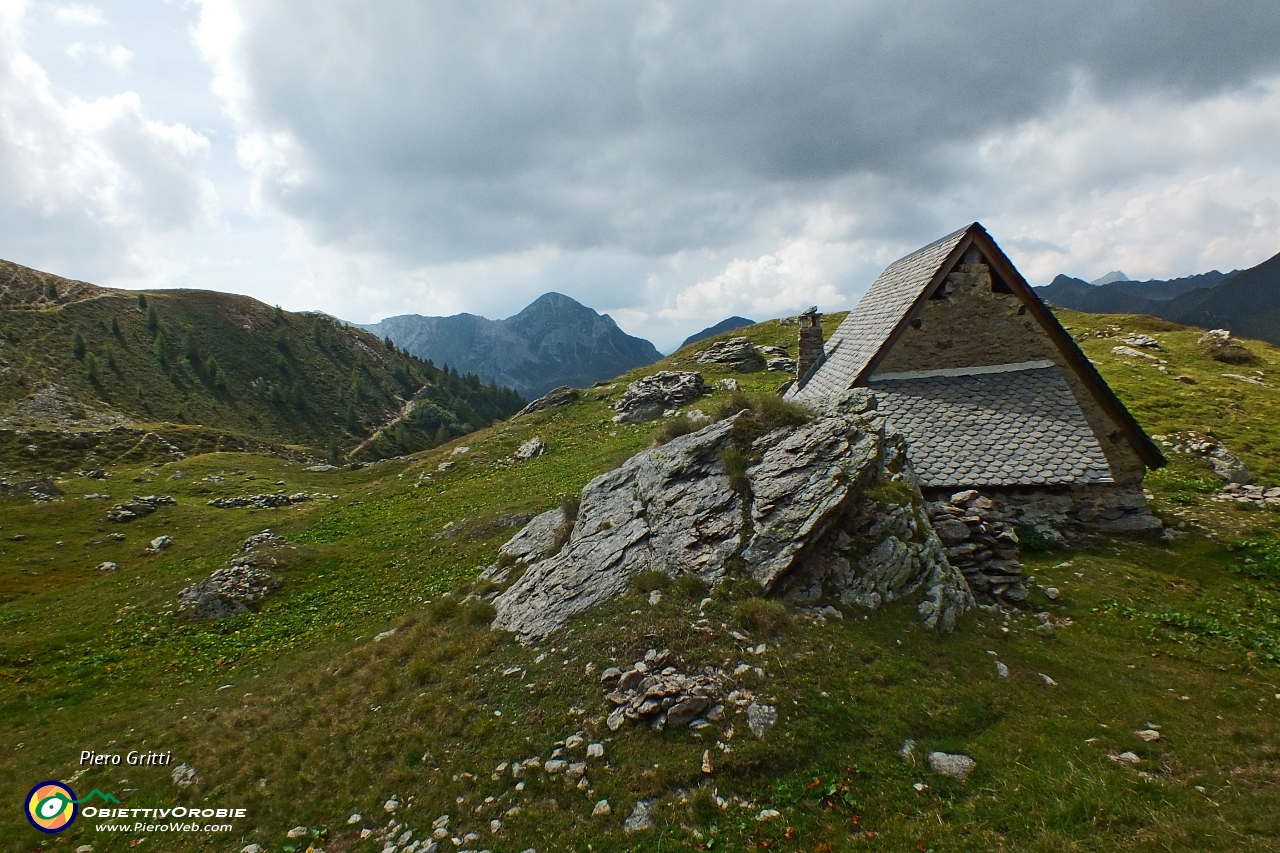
pixel 874 318
pixel 1022 427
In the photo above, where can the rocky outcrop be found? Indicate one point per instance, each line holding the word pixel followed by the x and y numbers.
pixel 652 396
pixel 241 584
pixel 737 354
pixel 562 396
pixel 799 521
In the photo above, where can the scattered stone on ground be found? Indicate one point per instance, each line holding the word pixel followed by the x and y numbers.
pixel 737 354
pixel 649 397
pixel 1048 680
pixel 241 584
pixel 159 544
pixel 296 832
pixel 639 819
pixel 602 809
pixel 761 718
pixel 958 767
pixel 1137 339
pixel 184 776
pixel 266 501
pixel 1002 671
pixel 1147 735
pixel 1224 464
pixel 562 396
pixel 107 566
pixel 531 449
pixel 1052 593
pixel 728 385
pixel 1256 495
pixel 1126 758
pixel 322 468
pixel 1130 352
pixel 981 543
pixel 138 507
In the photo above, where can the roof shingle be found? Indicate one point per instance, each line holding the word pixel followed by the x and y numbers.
pixel 1023 427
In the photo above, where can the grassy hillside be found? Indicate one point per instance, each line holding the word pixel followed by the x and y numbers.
pixel 78 357
pixel 306 712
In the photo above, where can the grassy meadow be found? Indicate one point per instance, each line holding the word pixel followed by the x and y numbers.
pixel 308 712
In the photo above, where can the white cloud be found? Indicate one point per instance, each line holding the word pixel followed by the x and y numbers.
pixel 80 15
pixel 117 56
pixel 86 179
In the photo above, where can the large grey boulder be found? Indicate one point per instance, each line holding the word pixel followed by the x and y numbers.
pixel 737 354
pixel 801 524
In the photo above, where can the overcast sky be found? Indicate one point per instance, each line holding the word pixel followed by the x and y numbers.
pixel 668 163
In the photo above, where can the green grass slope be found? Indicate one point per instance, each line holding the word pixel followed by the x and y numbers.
pixel 76 357
pixel 308 712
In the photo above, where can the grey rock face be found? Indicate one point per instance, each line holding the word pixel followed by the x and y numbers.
pixel 803 526
pixel 647 398
pixel 670 508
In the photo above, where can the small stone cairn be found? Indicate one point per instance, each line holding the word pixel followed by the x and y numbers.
pixel 655 692
pixel 981 543
pixel 238 586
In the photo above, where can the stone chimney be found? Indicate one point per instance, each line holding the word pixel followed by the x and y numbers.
pixel 810 349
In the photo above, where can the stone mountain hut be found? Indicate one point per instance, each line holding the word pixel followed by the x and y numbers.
pixel 987 387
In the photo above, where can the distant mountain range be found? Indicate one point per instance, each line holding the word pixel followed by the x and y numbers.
pixel 726 325
pixel 554 341
pixel 1245 301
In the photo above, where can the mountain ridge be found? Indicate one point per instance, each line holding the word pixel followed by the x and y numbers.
pixel 553 341
pixel 1246 302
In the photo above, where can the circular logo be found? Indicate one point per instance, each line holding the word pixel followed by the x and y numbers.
pixel 51 806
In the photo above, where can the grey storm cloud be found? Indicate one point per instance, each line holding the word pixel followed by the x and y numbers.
pixel 451 130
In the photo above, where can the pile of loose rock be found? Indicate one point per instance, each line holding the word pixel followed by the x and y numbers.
pixel 268 501
pixel 1256 495
pixel 1220 460
pixel 40 490
pixel 240 585
pixel 138 507
pixel 655 692
pixel 651 397
pixel 981 543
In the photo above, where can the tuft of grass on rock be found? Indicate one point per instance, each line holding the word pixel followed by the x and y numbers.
pixel 762 616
